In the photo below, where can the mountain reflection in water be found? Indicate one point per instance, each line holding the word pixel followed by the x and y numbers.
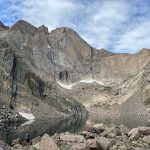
pixel 72 124
pixel 130 121
pixel 39 127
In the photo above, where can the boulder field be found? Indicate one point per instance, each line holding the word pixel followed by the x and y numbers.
pixel 97 137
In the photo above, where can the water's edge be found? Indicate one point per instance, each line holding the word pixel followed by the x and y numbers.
pixel 72 124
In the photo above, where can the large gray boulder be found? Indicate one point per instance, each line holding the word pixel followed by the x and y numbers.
pixel 72 138
pixel 99 128
pixel 134 134
pixel 47 143
pixel 88 135
pixel 92 144
pixel 144 130
pixel 146 139
pixel 105 143
pixel 79 146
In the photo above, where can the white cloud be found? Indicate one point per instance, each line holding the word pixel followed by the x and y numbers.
pixel 117 25
pixel 52 13
pixel 8 11
pixel 104 20
pixel 136 37
pixel 96 21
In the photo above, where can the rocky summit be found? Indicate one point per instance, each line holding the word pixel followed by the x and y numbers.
pixel 56 74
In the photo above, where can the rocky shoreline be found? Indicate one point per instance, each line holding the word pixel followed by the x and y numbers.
pixel 97 137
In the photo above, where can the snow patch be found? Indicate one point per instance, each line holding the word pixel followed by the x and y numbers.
pixel 35 48
pixel 66 86
pixel 48 46
pixel 69 86
pixel 27 123
pixel 28 116
pixel 91 81
pixel 24 44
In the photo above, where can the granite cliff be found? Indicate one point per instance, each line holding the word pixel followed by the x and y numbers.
pixel 28 75
pixel 57 73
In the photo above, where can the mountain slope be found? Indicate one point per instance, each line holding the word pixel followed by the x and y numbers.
pixel 55 73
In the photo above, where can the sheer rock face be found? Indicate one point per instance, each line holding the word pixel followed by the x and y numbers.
pixel 27 78
pixel 70 43
pixel 33 60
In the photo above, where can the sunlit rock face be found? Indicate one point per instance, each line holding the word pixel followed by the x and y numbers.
pixel 57 73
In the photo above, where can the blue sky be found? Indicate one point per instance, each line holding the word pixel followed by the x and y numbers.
pixel 117 25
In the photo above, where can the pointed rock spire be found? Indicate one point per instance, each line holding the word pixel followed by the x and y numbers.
pixel 43 28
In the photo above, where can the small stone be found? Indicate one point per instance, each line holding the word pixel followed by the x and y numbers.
pixel 99 127
pixel 144 130
pixel 114 147
pixel 36 140
pixel 105 143
pixel 111 132
pixel 124 129
pixel 4 146
pixel 146 139
pixel 137 148
pixel 18 146
pixel 72 138
pixel 79 146
pixel 111 135
pixel 87 135
pixel 134 143
pixel 123 147
pixel 92 143
pixel 134 134
pixel 16 141
pixel 37 146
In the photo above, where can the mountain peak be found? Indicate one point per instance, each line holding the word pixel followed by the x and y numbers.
pixel 144 51
pixel 103 50
pixel 43 28
pixel 24 27
pixel 63 30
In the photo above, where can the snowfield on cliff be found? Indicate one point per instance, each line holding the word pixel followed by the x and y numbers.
pixel 69 86
pixel 28 116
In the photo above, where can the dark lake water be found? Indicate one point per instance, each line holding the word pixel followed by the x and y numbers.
pixel 73 124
